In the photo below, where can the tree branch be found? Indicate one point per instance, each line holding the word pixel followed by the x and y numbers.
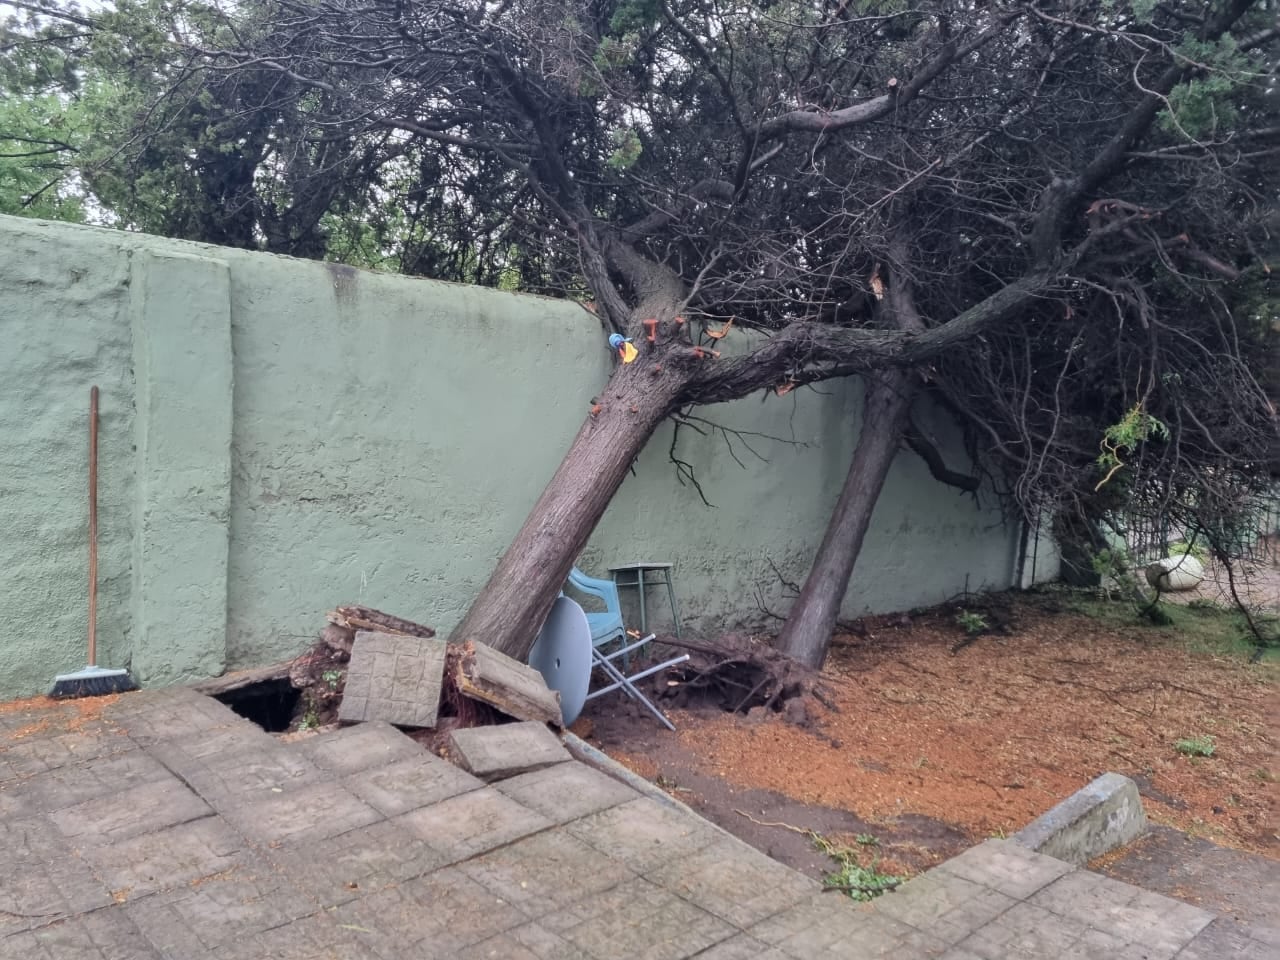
pixel 824 121
pixel 926 451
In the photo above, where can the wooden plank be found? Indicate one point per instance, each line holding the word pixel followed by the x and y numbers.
pixel 518 690
pixel 355 617
pixel 240 679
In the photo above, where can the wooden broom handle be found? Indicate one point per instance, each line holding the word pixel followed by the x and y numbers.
pixel 93 526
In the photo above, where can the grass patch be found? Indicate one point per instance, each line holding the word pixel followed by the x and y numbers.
pixel 1195 746
pixel 1200 626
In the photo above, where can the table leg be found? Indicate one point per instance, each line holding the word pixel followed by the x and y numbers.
pixel 644 626
pixel 675 613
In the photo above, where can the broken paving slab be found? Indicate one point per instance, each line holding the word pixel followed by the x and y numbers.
pixel 517 689
pixel 498 752
pixel 393 678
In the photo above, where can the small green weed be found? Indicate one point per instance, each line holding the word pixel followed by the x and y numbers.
pixel 311 716
pixel 331 677
pixel 859 882
pixel 972 623
pixel 1195 746
pixel 867 840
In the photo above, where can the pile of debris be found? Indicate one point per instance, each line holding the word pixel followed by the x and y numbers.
pixel 369 665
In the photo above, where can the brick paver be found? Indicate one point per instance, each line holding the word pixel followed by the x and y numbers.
pixel 175 830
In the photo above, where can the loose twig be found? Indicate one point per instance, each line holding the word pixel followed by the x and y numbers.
pixel 776 823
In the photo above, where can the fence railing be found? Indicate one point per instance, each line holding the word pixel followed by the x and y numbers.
pixel 1148 534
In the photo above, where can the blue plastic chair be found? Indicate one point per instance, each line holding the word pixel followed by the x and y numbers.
pixel 606 626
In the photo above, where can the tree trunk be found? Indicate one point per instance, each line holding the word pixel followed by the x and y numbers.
pixel 511 608
pixel 807 634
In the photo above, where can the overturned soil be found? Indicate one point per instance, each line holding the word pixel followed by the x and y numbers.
pixel 936 743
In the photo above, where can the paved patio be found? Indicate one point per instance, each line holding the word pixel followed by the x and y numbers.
pixel 162 825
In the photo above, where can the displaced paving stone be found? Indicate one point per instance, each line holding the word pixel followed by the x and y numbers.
pixel 154 716
pixel 240 772
pixel 393 678
pixel 734 882
pixel 233 907
pixel 498 752
pixel 1006 867
pixel 434 916
pixel 637 919
pixel 514 688
pixel 129 813
pixel 472 823
pixel 418 781
pixel 567 791
pixel 308 813
pixel 645 834
pixel 188 750
pixel 350 750
pixel 545 872
pixel 168 858
pixel 358 863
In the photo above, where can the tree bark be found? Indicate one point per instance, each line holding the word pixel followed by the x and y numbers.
pixel 806 637
pixel 513 605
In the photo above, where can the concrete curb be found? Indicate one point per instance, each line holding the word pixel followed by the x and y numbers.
pixel 588 754
pixel 1092 821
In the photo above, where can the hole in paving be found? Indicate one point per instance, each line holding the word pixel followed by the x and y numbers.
pixel 270 704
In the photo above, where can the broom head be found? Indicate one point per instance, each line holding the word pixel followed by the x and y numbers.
pixel 91 682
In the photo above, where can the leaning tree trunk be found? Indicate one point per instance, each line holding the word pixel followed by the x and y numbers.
pixel 807 634
pixel 511 608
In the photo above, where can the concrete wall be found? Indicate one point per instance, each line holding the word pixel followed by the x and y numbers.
pixel 282 436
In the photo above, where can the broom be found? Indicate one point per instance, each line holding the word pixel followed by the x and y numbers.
pixel 93 680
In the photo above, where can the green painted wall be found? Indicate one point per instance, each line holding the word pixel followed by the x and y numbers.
pixel 64 326
pixel 282 436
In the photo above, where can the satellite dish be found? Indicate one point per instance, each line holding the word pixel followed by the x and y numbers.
pixel 562 654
